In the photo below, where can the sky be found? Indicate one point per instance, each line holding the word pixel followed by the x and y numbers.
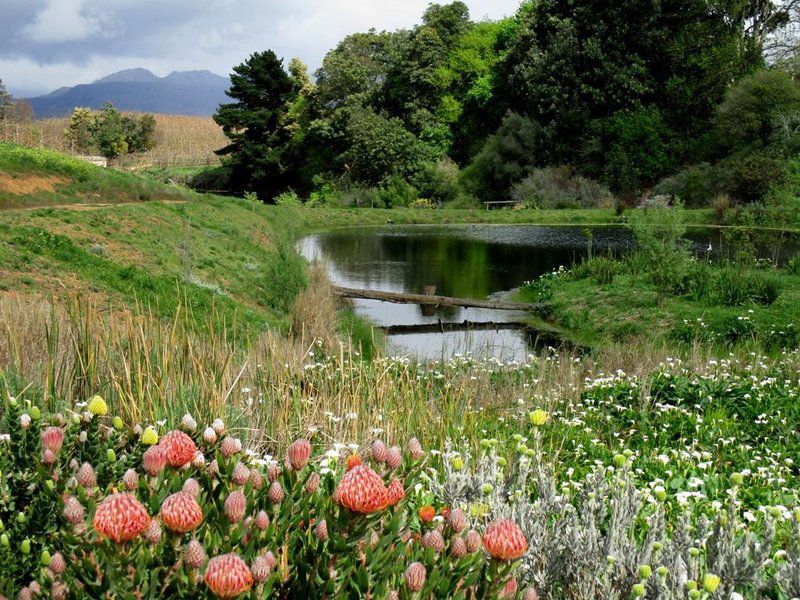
pixel 46 44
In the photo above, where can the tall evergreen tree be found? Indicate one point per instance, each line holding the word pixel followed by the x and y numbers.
pixel 262 90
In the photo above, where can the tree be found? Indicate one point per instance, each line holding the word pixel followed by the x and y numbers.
pixel 80 132
pixel 111 132
pixel 6 102
pixel 262 90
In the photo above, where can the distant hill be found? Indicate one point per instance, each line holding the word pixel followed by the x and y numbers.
pixel 195 93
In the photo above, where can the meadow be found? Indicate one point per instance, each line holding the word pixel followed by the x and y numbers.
pixel 188 411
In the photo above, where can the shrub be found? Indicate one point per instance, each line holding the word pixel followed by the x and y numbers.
pixel 695 186
pixel 397 192
pixel 559 187
pixel 600 269
pixel 793 266
pixel 439 181
pixel 734 287
pixel 288 198
pixel 96 508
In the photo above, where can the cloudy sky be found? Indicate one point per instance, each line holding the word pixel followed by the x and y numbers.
pixel 45 44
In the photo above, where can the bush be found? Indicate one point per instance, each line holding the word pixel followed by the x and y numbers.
pixel 559 187
pixel 695 186
pixel 748 177
pixel 288 198
pixel 734 287
pixel 397 192
pixel 600 269
pixel 439 181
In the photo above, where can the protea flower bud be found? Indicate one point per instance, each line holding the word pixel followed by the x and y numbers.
pixel 415 449
pixel 270 558
pixel 298 454
pixel 154 460
pixel 256 479
pixel 86 476
pixel 198 460
pixel 458 547
pixel 120 517
pixel 48 457
pixel 379 451
pixel 434 540
pixel 394 458
pixel 275 493
pixel 235 506
pixel 53 438
pixel 510 589
pixel 180 448
pixel 181 512
pixel 273 471
pixel 25 421
pixel 130 479
pixel 191 487
pixel 312 483
pixel 153 532
pixel 73 510
pixel 227 576
pixel 57 563
pixel 218 426
pixel 260 569
pixel 321 530
pixel 149 437
pixel 59 591
pixel 415 577
pixel 188 422
pixel 240 474
pixel 457 520
pixel 530 594
pixel 504 540
pixel 228 447
pixel 262 520
pixel 393 595
pixel 472 541
pixel 209 436
pixel 213 468
pixel 97 406
pixel 194 555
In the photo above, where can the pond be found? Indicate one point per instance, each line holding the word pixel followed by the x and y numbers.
pixel 464 261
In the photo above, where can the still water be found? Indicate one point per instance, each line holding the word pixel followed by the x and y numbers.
pixel 465 261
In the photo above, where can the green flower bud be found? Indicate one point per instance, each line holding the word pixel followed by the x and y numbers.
pixel 694 552
pixel 111 456
pixel 36 413
pixel 51 485
pixel 627 452
pixel 691 584
pixel 493 442
pixel 457 463
pixel 485 443
pixel 76 419
pixel 620 460
pixel 662 571
pixel 487 488
pixel 660 493
pixel 774 512
pixel 20 517
pixel 45 559
pixel 4 540
pixel 694 594
pixel 737 479
pixel 657 546
pixel 25 546
pixel 501 461
pixel 118 424
pixel 638 590
pixel 711 582
pixel 645 571
pixel 611 559
pixel 517 437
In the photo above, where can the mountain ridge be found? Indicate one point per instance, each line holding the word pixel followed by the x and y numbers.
pixel 194 93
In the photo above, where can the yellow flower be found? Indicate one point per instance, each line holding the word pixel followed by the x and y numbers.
pixel 538 417
pixel 711 582
pixel 97 406
pixel 149 437
pixel 478 510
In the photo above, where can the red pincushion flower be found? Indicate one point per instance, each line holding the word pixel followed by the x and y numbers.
pixel 121 517
pixel 227 576
pixel 351 462
pixel 154 460
pixel 361 490
pixel 504 540
pixel 181 512
pixel 395 492
pixel 180 448
pixel 298 454
pixel 52 438
pixel 426 513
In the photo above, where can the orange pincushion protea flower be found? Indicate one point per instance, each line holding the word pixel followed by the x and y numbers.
pixel 180 448
pixel 394 492
pixel 426 513
pixel 361 490
pixel 121 517
pixel 227 576
pixel 504 540
pixel 351 462
pixel 181 512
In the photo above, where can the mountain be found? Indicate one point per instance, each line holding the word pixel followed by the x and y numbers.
pixel 179 93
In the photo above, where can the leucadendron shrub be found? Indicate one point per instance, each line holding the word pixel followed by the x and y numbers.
pixel 93 508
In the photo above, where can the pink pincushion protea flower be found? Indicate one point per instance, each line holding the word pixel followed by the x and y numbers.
pixel 154 460
pixel 153 532
pixel 181 512
pixel 73 510
pixel 361 490
pixel 86 476
pixel 458 547
pixel 433 539
pixel 120 517
pixel 472 540
pixel 256 480
pixel 260 569
pixel 180 448
pixel 235 506
pixel 457 520
pixel 321 530
pixel 191 487
pixel 130 480
pixel 504 540
pixel 229 447
pixel 415 577
pixel 48 457
pixel 298 454
pixel 57 563
pixel 262 520
pixel 530 594
pixel 227 576
pixel 53 438
pixel 273 471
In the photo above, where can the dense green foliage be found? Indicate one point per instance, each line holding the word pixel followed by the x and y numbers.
pixel 606 98
pixel 110 132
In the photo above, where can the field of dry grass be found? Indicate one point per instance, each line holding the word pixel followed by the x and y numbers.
pixel 181 141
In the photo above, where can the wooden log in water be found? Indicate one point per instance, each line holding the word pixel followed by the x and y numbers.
pixel 445 327
pixel 434 300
